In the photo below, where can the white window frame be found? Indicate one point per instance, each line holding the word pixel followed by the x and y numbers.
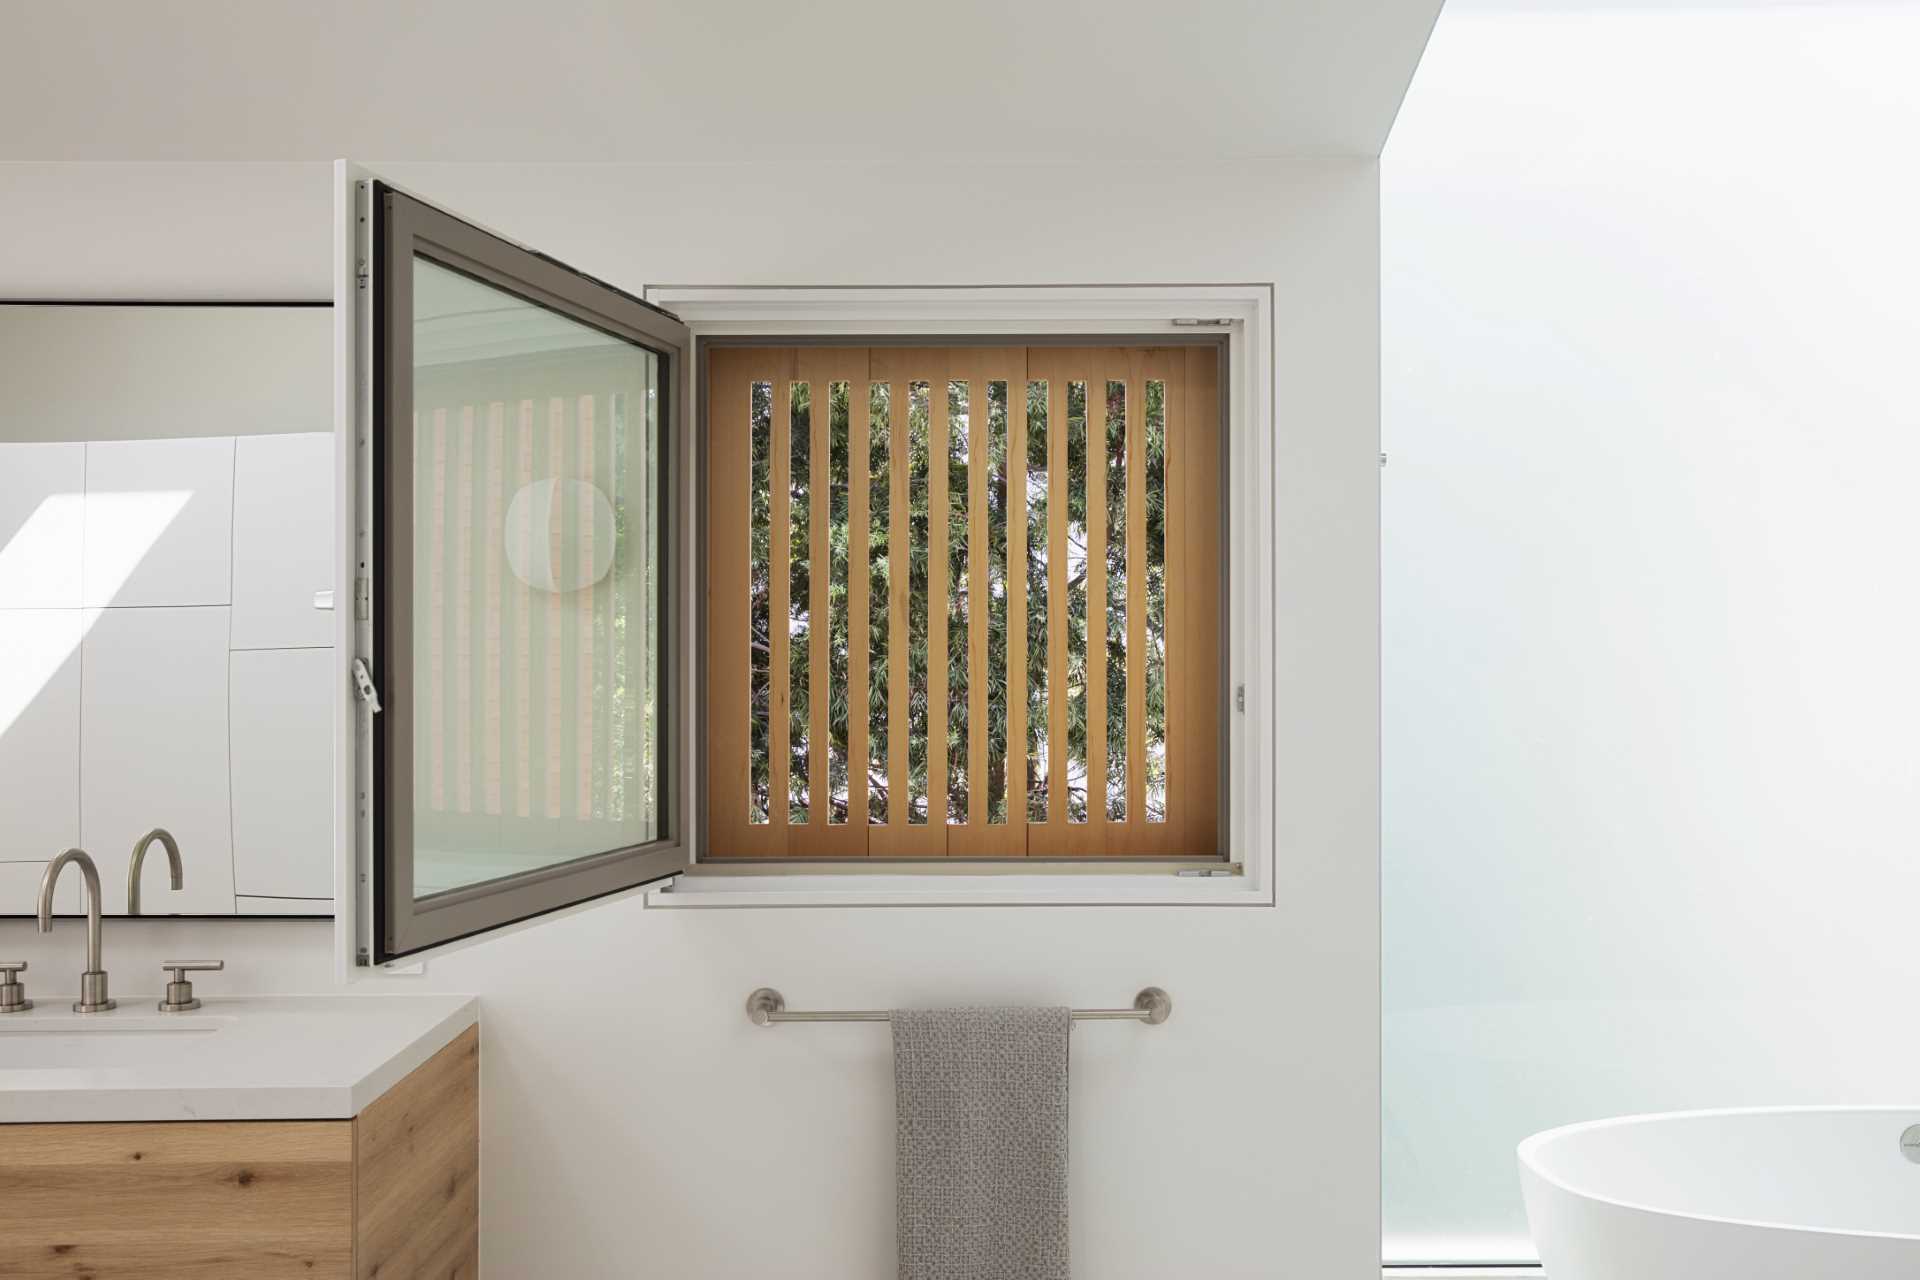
pixel 1244 313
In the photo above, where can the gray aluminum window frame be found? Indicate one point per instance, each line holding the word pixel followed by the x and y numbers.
pixel 404 228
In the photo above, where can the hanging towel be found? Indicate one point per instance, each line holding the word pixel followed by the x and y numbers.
pixel 980 1103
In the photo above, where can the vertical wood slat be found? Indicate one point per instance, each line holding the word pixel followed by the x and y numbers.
pixel 979 606
pixel 819 836
pixel 815 370
pixel 1136 534
pixel 859 579
pixel 900 368
pixel 939 596
pixel 899 572
pixel 779 608
pixel 980 367
pixel 1056 837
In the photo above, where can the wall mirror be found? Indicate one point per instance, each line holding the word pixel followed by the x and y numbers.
pixel 166 587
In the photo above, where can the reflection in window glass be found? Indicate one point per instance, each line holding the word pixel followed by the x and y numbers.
pixel 919 610
pixel 535 609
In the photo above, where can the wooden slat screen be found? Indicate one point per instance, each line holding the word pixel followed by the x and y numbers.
pixel 963 601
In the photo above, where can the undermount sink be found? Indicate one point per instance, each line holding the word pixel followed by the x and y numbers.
pixel 111 1039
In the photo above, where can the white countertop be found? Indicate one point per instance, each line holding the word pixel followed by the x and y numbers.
pixel 236 1058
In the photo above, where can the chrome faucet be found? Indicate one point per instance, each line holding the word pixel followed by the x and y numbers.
pixel 93 983
pixel 165 837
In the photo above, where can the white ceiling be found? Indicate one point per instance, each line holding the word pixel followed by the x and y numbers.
pixel 697 80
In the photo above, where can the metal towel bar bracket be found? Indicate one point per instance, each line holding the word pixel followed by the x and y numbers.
pixel 767 1006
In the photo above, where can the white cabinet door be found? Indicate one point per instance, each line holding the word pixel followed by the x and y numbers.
pixel 159 522
pixel 282 711
pixel 41 487
pixel 39 737
pixel 282 540
pixel 153 716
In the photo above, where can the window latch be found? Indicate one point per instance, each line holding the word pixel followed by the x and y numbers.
pixel 363 685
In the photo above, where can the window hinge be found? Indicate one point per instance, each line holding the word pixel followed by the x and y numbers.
pixel 363 685
pixel 1200 322
pixel 1231 869
pixel 1240 698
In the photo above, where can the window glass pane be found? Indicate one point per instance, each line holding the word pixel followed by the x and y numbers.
pixel 535 586
pixel 1116 526
pixel 800 596
pixel 995 674
pixel 1036 571
pixel 760 607
pixel 959 445
pixel 1156 655
pixel 838 510
pixel 919 463
pixel 879 586
pixel 1076 516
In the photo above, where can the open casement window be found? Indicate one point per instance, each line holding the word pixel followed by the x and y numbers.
pixel 963 601
pixel 516 513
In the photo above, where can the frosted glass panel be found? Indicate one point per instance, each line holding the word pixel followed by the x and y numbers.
pixel 535 583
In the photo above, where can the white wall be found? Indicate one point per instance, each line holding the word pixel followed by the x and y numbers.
pixel 1650 615
pixel 634 1122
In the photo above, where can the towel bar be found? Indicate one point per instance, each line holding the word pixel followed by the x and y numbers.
pixel 767 1006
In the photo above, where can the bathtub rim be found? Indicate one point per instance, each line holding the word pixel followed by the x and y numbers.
pixel 1531 1144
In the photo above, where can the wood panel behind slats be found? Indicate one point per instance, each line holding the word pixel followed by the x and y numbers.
pixel 1194 507
pixel 900 367
pixel 1137 373
pixel 980 367
pixel 1051 370
pixel 819 836
pixel 729 661
pixel 1017 599
pixel 1193 568
pixel 859 593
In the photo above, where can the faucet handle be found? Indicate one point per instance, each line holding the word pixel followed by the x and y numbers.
pixel 13 994
pixel 180 997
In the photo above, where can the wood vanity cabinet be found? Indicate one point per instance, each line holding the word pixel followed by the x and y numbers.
pixel 392 1194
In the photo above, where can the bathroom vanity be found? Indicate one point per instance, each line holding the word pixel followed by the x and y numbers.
pixel 249 1139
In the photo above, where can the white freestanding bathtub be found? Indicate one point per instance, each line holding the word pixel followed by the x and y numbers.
pixel 1805 1193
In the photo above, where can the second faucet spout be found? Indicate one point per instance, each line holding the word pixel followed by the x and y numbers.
pixel 93 983
pixel 178 873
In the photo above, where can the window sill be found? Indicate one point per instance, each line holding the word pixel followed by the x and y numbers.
pixel 703 888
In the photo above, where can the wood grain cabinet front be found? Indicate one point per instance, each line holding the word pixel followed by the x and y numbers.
pixel 392 1194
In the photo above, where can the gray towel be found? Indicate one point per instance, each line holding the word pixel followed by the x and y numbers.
pixel 980 1103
